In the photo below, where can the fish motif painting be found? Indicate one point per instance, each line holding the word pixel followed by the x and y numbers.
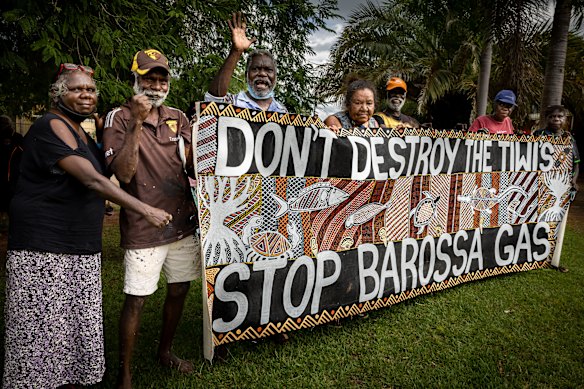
pixel 365 213
pixel 315 197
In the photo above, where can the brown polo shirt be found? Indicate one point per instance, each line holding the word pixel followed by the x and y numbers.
pixel 160 179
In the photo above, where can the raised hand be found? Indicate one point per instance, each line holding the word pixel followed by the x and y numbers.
pixel 140 106
pixel 239 40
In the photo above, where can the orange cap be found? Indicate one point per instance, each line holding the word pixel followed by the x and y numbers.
pixel 396 82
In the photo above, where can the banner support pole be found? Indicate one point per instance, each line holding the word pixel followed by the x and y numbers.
pixel 560 239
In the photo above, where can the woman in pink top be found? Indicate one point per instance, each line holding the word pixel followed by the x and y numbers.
pixel 499 121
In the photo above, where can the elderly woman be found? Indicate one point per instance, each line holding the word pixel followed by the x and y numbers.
pixel 53 316
pixel 360 106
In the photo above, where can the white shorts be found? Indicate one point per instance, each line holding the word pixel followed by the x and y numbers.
pixel 180 261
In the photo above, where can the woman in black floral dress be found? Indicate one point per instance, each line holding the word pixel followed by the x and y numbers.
pixel 53 314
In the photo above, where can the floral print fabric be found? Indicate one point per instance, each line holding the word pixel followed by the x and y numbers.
pixel 53 316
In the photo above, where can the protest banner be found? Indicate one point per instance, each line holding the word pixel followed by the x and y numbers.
pixel 301 226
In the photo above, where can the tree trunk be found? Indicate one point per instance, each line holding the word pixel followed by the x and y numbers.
pixel 556 60
pixel 484 76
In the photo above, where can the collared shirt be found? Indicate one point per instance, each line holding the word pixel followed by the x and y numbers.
pixel 160 179
pixel 244 101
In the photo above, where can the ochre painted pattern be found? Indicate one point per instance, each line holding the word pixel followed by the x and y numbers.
pixel 494 219
pixel 325 229
pixel 440 186
pixel 397 217
pixel 466 218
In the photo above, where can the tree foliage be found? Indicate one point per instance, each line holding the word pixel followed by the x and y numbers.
pixel 436 46
pixel 37 35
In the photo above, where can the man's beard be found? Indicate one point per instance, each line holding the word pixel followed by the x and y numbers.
pixel 396 107
pixel 156 98
pixel 263 94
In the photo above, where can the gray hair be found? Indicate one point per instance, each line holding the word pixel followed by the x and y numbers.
pixel 257 53
pixel 358 85
pixel 59 87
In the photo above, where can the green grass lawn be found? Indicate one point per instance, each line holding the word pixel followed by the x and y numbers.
pixel 520 330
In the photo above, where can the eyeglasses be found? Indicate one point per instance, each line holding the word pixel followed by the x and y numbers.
pixel 71 67
pixel 505 105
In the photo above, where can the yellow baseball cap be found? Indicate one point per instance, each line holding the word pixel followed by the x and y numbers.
pixel 146 60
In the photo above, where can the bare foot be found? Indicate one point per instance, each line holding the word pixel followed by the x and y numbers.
pixel 173 362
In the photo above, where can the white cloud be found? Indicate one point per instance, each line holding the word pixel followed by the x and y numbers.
pixel 321 42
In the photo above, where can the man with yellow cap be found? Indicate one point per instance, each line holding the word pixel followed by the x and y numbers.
pixel 142 142
pixel 396 97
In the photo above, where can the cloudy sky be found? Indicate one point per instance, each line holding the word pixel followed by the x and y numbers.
pixel 321 42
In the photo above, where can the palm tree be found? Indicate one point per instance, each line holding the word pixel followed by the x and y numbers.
pixel 462 46
pixel 556 60
pixel 380 41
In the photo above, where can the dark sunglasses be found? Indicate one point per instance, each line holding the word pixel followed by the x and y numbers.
pixel 505 105
pixel 71 67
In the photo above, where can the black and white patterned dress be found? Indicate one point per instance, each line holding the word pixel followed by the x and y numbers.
pixel 53 313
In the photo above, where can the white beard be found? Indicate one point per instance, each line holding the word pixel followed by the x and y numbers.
pixel 156 98
pixel 398 107
pixel 264 93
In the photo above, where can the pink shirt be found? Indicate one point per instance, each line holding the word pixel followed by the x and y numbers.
pixel 494 127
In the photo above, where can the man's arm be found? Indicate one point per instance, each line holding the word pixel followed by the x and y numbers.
pixel 239 43
pixel 125 160
pixel 333 123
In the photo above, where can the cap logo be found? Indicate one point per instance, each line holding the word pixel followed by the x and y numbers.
pixel 154 54
pixel 148 59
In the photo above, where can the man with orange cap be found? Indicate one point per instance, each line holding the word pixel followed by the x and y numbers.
pixel 396 98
